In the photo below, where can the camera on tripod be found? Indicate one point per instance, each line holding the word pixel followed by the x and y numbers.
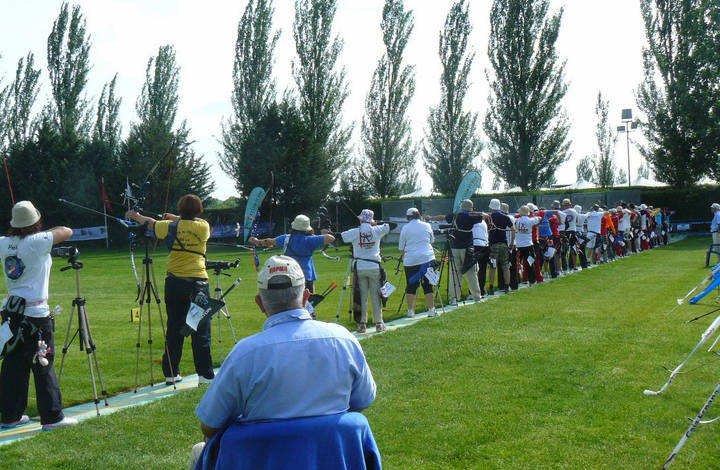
pixel 221 265
pixel 69 252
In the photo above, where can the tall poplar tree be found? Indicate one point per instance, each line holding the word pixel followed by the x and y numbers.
pixel 682 108
pixel 16 103
pixel 452 140
pixel 68 57
pixel 321 87
pixel 156 142
pixel 584 169
pixel 604 161
pixel 253 83
pixel 389 151
pixel 525 123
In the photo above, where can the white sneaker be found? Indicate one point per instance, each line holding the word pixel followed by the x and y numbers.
pixel 432 313
pixel 410 313
pixel 24 419
pixel 65 422
pixel 453 302
pixel 203 380
pixel 173 380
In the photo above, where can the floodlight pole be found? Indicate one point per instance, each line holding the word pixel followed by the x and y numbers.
pixel 627 127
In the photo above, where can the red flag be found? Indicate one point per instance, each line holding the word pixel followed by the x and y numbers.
pixel 106 200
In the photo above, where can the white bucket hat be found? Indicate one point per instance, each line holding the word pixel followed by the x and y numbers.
pixel 281 265
pixel 494 204
pixel 301 223
pixel 715 205
pixel 24 215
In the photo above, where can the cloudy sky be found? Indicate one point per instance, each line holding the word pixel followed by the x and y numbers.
pixel 601 40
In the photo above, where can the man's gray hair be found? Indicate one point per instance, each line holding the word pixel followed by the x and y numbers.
pixel 280 300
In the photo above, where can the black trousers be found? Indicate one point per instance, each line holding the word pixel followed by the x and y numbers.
pixel 525 252
pixel 178 294
pixel 15 378
pixel 482 256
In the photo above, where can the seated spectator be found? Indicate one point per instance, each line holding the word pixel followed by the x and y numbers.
pixel 296 367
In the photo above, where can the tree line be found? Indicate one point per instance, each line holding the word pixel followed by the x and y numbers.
pixel 298 139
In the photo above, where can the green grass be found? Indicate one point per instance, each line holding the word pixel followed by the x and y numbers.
pixel 550 377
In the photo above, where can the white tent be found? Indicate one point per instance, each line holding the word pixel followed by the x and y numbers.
pixel 425 190
pixel 581 184
pixel 640 181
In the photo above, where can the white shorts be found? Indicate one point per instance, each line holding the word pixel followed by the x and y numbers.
pixel 716 238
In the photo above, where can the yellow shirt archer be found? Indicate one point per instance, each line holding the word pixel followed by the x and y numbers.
pixel 193 234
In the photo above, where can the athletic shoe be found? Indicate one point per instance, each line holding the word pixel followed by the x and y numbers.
pixel 490 291
pixel 453 302
pixel 203 380
pixel 432 313
pixel 24 419
pixel 361 328
pixel 380 327
pixel 410 313
pixel 63 423
pixel 173 380
pixel 506 290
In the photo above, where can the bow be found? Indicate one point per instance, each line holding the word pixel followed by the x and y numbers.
pixel 322 216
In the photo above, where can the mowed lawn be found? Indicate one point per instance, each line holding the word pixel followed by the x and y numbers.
pixel 548 377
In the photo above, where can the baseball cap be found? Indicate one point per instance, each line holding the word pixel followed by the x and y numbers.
pixel 24 215
pixel 715 205
pixel 412 211
pixel 281 265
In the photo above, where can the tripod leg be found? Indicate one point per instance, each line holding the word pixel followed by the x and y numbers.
pixel 143 287
pixel 219 330
pixel 68 340
pixel 85 342
pixel 342 292
pixel 226 312
pixel 91 343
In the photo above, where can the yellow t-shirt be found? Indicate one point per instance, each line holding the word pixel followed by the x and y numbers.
pixel 193 234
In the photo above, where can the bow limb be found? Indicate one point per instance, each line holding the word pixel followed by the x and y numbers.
pixel 334 258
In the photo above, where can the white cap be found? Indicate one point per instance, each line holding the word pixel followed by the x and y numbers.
pixel 578 208
pixel 281 265
pixel 494 204
pixel 366 215
pixel 532 206
pixel 301 223
pixel 643 207
pixel 24 215
pixel 412 211
pixel 715 205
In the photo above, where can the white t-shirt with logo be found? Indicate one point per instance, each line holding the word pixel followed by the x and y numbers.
pixel 571 218
pixel 416 240
pixel 523 230
pixel 366 244
pixel 26 265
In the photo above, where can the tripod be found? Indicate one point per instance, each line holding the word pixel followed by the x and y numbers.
pixel 344 288
pixel 218 267
pixel 83 334
pixel 148 292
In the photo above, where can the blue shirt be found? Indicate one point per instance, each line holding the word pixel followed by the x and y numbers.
pixel 301 249
pixel 295 367
pixel 715 224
